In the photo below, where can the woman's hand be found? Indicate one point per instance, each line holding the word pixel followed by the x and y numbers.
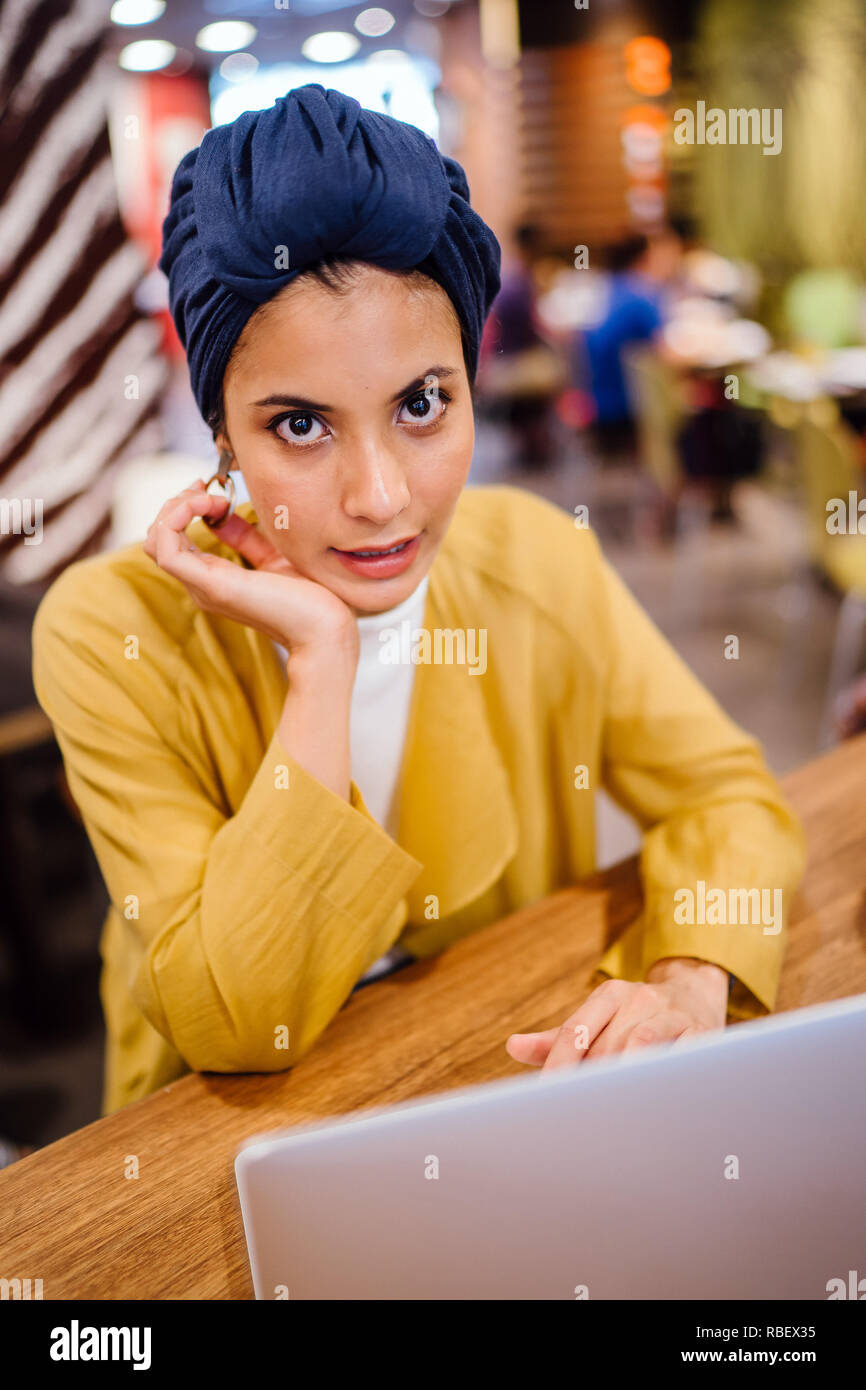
pixel 681 998
pixel 273 597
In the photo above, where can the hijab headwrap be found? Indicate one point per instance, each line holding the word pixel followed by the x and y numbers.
pixel 313 177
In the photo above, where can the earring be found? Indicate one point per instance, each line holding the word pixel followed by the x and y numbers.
pixel 227 482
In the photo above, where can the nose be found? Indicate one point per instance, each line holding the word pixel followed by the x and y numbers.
pixel 375 485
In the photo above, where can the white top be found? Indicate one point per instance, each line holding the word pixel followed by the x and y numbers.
pixel 378 723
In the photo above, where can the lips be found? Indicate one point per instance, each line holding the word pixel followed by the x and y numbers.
pixel 373 550
pixel 381 561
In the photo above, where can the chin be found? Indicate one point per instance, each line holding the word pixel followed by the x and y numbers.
pixel 366 600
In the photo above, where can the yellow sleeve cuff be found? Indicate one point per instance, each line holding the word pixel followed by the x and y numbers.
pixel 743 951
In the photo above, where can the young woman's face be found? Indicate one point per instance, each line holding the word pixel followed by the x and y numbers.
pixel 350 417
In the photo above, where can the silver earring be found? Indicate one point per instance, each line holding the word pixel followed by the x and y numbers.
pixel 227 483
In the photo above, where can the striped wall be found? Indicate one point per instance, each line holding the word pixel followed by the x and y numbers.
pixel 80 368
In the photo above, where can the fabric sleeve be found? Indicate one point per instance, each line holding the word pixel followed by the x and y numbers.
pixel 722 851
pixel 248 931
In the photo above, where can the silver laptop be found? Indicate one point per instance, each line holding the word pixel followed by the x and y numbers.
pixel 730 1166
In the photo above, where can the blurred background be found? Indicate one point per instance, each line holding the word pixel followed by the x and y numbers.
pixel 677 356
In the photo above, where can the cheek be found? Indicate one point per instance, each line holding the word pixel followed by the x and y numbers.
pixel 438 481
pixel 290 516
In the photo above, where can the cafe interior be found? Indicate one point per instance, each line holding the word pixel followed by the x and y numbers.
pixel 677 357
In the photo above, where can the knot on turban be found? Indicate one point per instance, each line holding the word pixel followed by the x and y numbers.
pixel 314 177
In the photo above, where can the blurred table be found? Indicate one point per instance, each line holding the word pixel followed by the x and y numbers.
pixel 68 1215
pixel 795 377
pixel 706 339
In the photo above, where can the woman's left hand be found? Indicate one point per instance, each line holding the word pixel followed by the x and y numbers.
pixel 680 998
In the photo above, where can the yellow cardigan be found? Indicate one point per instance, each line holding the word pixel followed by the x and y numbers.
pixel 241 906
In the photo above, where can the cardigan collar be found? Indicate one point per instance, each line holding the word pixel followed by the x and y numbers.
pixel 456 811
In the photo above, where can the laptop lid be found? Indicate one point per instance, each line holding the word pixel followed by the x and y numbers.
pixel 729 1166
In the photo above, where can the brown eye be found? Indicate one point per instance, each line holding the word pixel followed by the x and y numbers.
pixel 425 407
pixel 299 428
pixel 300 424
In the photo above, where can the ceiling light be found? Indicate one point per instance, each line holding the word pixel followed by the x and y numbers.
pixel 390 57
pixel 374 23
pixel 238 67
pixel 136 11
pixel 146 55
pixel 225 36
pixel 333 46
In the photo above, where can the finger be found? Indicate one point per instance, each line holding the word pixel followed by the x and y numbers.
pixel 168 541
pixel 662 1028
pixel 579 1032
pixel 248 541
pixel 179 511
pixel 195 489
pixel 692 1032
pixel 211 579
pixel 531 1048
pixel 192 488
pixel 187 506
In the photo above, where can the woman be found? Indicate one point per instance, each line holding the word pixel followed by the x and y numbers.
pixel 295 752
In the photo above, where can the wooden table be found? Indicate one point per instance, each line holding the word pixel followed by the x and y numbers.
pixel 70 1217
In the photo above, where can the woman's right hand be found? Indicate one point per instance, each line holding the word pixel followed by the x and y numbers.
pixel 273 597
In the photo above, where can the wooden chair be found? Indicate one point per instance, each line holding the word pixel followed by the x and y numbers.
pixel 829 470
pixel 660 410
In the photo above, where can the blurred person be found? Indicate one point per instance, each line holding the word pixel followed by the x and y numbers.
pixel 639 267
pixel 278 800
pixel 704 274
pixel 720 444
pixel 513 309
pixel 520 373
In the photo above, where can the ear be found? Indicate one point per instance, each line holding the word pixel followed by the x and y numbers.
pixel 223 444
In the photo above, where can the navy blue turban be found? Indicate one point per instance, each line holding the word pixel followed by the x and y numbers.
pixel 324 178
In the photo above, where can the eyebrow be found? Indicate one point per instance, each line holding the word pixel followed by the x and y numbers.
pixel 417 384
